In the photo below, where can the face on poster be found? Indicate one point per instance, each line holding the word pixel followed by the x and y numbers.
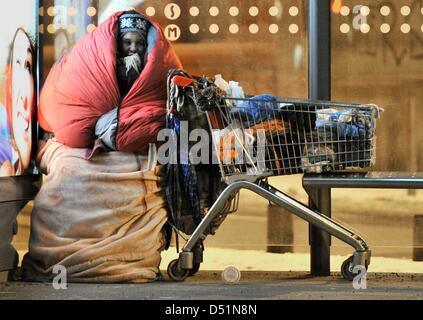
pixel 18 22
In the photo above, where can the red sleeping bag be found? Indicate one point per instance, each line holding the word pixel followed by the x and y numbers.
pixel 83 86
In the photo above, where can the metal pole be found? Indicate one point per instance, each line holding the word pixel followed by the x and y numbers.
pixel 319 33
pixel 40 53
pixel 418 238
pixel 319 44
pixel 320 241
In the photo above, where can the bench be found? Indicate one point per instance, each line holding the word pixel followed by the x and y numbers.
pixel 15 192
pixel 318 188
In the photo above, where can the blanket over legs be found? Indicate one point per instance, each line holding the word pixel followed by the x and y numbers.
pixel 101 219
pixel 83 86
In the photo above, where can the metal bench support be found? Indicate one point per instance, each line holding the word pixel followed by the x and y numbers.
pixel 318 187
pixel 319 240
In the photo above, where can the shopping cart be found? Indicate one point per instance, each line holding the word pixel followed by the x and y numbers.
pixel 255 138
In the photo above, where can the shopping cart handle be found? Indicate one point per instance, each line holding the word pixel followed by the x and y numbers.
pixel 181 81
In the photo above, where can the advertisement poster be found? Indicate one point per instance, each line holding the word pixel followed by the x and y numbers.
pixel 18 86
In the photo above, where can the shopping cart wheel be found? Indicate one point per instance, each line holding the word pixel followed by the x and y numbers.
pixel 194 270
pixel 175 272
pixel 347 269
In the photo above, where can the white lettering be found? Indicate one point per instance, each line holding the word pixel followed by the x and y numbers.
pixel 360 280
pixel 60 281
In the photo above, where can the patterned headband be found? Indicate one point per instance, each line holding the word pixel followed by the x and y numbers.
pixel 133 22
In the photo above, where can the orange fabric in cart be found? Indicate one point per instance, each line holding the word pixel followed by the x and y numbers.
pixel 228 143
pixel 83 86
pixel 270 126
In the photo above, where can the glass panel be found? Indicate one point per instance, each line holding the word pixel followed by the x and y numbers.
pixel 378 58
pixel 64 22
pixel 263 46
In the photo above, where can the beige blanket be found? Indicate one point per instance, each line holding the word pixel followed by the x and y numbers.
pixel 101 219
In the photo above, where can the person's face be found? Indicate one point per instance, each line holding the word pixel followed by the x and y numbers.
pixel 22 96
pixel 133 42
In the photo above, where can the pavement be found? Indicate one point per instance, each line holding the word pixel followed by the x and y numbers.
pixel 286 278
pixel 208 285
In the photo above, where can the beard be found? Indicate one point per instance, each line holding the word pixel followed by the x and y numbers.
pixel 128 70
pixel 132 63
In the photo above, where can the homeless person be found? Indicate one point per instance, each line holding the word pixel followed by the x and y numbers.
pixel 101 214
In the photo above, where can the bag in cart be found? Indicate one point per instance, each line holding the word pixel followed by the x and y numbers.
pixel 191 189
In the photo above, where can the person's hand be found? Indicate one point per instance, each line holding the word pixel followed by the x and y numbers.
pixel 6 169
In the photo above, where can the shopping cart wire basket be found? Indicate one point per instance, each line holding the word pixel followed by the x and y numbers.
pixel 254 138
pixel 287 136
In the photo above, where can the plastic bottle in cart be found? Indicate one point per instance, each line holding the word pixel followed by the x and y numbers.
pixel 221 83
pixel 236 91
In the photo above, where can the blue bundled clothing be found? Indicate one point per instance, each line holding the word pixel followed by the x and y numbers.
pixel 344 124
pixel 256 109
